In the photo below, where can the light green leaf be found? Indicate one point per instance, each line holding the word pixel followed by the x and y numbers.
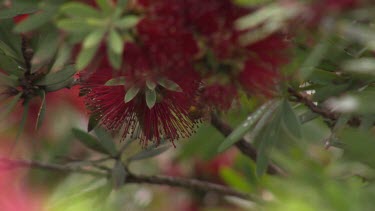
pixel 73 25
pixel 127 22
pixel 115 42
pixel 150 84
pixel 150 97
pixel 76 9
pixel 119 81
pixel 130 94
pixel 93 39
pixel 105 5
pixel 85 56
pixel 170 85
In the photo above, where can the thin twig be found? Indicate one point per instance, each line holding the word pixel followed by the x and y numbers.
pixel 187 183
pixel 193 184
pixel 7 164
pixel 242 145
pixel 324 112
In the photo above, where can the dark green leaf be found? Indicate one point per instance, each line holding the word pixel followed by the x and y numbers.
pixel 10 106
pixel 57 77
pixel 290 120
pixel 149 153
pixel 36 20
pixel 89 141
pixel 244 127
pixel 150 97
pixel 118 175
pixel 106 140
pixel 315 57
pixel 93 122
pixel 25 113
pixel 130 94
pixel 105 5
pixel 8 51
pixel 114 58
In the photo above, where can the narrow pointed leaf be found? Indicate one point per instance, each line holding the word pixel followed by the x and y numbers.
pixel 10 106
pixel 76 9
pixel 118 175
pixel 150 97
pixel 170 85
pixel 89 141
pixel 106 140
pixel 149 153
pixel 93 39
pixel 244 127
pixel 57 77
pixel 291 121
pixel 119 81
pixel 115 41
pixel 151 85
pixel 130 94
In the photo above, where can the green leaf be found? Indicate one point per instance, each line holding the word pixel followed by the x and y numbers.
pixel 72 25
pixel 55 87
pixel 119 81
pixel 115 42
pixel 25 113
pixel 93 122
pixel 93 39
pixel 114 58
pixel 127 22
pixel 235 180
pixel 150 97
pixel 76 9
pixel 10 106
pixel 359 146
pixel 170 85
pixel 36 20
pixel 57 77
pixel 290 120
pixel 148 153
pixel 8 51
pixel 48 44
pixel 106 140
pixel 85 56
pixel 118 175
pixel 150 84
pixel 89 141
pixel 42 110
pixel 130 94
pixel 244 127
pixel 105 5
pixel 315 57
pixel 268 138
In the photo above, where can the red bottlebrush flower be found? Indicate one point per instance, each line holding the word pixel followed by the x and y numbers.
pixel 167 119
pixel 259 79
pixel 19 18
pixel 164 33
pixel 219 96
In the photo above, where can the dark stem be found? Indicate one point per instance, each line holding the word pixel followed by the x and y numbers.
pixel 193 184
pixel 246 148
pixel 187 183
pixel 27 53
pixel 324 112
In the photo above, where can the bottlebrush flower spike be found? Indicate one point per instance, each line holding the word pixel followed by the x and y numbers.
pixel 164 118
